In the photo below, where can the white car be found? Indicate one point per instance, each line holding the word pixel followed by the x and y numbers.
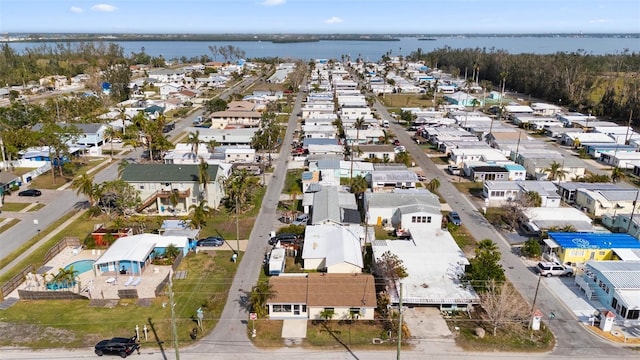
pixel 301 220
pixel 550 269
pixel 116 140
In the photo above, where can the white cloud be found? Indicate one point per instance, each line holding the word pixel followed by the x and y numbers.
pixel 273 2
pixel 333 20
pixel 75 9
pixel 104 8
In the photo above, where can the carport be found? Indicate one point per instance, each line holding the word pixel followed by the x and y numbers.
pixel 551 254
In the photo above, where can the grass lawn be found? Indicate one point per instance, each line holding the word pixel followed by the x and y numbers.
pixel 405 100
pixel 8 225
pixel 15 207
pixel 440 160
pixel 335 335
pixel 382 234
pixel 223 222
pixel 55 322
pixel 469 187
pixel 464 239
pixel 36 207
pixel 515 337
pixel 45 181
pixel 21 171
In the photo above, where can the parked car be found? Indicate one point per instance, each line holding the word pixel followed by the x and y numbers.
pixel 550 269
pixel 120 346
pixel 302 219
pixel 453 170
pixel 454 217
pixel 530 230
pixel 284 239
pixel 30 192
pixel 211 241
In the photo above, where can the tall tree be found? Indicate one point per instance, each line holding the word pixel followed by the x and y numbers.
pixel 199 214
pixel 617 174
pixel 193 139
pixel 555 171
pixel 502 305
pixel 204 178
pixel 259 296
pixel 84 185
pixel 433 185
pixel 485 265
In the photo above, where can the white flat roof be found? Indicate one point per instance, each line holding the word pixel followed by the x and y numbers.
pixel 434 263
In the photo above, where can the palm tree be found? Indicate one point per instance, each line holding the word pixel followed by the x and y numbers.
pixel 122 115
pixel 111 133
pixel 617 174
pixel 433 185
pixel 294 191
pixel 555 171
pixel 260 294
pixel 203 175
pixel 193 139
pixel 84 185
pixel 532 198
pixel 171 251
pixel 199 214
pixel 358 124
pixel 211 145
pixel 121 166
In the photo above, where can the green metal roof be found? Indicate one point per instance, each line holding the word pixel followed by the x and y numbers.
pixel 165 173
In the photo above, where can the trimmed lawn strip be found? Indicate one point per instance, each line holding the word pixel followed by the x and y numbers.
pixel 36 207
pixel 8 225
pixel 14 206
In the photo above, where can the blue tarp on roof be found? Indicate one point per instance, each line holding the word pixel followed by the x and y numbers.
pixel 594 240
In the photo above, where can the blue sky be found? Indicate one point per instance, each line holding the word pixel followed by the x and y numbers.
pixel 320 16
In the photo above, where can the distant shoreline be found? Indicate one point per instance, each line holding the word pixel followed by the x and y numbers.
pixel 276 38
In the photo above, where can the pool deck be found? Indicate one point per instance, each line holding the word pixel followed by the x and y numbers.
pixel 101 286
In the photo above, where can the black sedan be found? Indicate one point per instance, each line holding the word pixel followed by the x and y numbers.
pixel 120 346
pixel 30 192
pixel 211 241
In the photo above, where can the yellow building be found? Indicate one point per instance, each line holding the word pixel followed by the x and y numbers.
pixel 577 248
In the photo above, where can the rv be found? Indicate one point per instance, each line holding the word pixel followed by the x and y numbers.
pixel 277 261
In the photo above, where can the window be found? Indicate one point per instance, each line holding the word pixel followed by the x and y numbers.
pixel 281 308
pixel 354 312
pixel 429 219
pixel 141 187
pixel 614 303
pixel 633 314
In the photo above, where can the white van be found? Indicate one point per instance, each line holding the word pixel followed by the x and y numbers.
pixel 385 123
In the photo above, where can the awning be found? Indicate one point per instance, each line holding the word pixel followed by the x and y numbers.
pixel 551 243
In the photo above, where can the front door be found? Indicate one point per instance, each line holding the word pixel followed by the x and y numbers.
pixel 296 309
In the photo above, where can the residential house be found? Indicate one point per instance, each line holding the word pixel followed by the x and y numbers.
pixel 578 248
pixel 418 209
pixel 616 285
pixel 338 169
pixel 386 177
pixel 375 153
pixel 497 193
pixel 434 264
pixel 545 218
pixel 234 118
pixel 312 295
pixel 7 181
pixel 487 172
pixel 170 189
pixel 333 248
pixel 601 201
pixel 569 189
pixel 463 99
pixel 134 253
pixel 622 223
pixel 328 205
pixel 239 136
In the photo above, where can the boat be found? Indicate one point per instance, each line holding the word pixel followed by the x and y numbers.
pixel 427 38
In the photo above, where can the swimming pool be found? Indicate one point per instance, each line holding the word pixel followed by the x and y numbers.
pixel 81 266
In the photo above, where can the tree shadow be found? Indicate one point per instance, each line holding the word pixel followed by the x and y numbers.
pixel 333 334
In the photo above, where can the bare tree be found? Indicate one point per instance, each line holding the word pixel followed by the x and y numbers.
pixel 502 305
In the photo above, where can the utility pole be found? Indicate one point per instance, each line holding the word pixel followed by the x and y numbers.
pixel 237 228
pixel 174 328
pixel 4 156
pixel 535 297
pixel 633 210
pixel 399 323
